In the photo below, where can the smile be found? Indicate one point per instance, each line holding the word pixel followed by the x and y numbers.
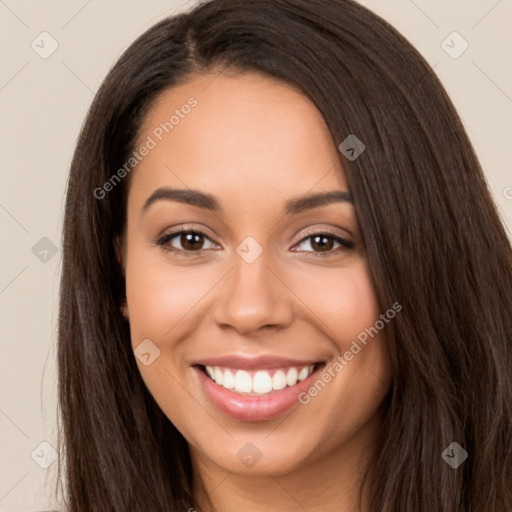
pixel 258 390
pixel 260 382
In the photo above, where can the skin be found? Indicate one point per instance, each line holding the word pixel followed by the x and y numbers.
pixel 254 143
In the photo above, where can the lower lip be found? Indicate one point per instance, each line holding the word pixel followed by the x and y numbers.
pixel 254 408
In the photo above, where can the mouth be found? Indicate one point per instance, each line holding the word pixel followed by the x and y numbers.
pixel 256 393
pixel 261 382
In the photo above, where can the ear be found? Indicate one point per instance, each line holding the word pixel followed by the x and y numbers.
pixel 119 249
pixel 124 310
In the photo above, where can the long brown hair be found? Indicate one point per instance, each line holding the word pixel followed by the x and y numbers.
pixel 432 236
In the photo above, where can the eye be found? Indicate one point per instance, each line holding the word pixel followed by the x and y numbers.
pixel 189 241
pixel 193 241
pixel 322 243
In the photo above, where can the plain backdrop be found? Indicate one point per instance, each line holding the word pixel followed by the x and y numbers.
pixel 44 99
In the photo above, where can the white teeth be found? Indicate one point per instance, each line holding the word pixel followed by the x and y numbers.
pixel 260 382
pixel 291 377
pixel 304 373
pixel 243 382
pixel 279 380
pixel 218 375
pixel 228 380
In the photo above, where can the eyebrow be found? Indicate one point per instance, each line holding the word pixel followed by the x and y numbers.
pixel 208 202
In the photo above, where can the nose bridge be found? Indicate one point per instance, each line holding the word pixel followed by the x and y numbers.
pixel 252 296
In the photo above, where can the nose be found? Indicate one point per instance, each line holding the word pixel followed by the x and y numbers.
pixel 253 296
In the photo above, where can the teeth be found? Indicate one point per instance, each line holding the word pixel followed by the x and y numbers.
pixel 291 376
pixel 228 380
pixel 303 373
pixel 218 375
pixel 243 381
pixel 279 380
pixel 261 382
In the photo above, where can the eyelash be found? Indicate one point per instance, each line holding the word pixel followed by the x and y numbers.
pixel 345 244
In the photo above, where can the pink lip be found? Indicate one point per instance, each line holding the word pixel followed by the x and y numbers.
pixel 254 363
pixel 253 408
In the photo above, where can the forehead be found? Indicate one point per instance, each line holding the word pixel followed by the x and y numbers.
pixel 241 135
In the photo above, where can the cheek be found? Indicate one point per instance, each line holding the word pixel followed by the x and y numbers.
pixel 343 300
pixel 159 298
pixel 159 294
pixel 347 311
pixel 345 397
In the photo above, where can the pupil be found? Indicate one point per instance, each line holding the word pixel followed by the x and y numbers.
pixel 323 242
pixel 189 239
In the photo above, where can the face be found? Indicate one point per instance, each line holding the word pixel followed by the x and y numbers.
pixel 247 282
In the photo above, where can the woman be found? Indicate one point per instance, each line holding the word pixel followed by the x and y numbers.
pixel 285 284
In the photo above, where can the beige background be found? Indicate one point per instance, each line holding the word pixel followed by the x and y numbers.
pixel 43 103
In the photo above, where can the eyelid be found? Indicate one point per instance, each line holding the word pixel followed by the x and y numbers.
pixel 319 231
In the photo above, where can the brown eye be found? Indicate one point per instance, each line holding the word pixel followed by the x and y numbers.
pixel 319 243
pixel 322 243
pixel 190 241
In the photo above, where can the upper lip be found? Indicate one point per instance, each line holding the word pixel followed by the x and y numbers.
pixel 250 363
